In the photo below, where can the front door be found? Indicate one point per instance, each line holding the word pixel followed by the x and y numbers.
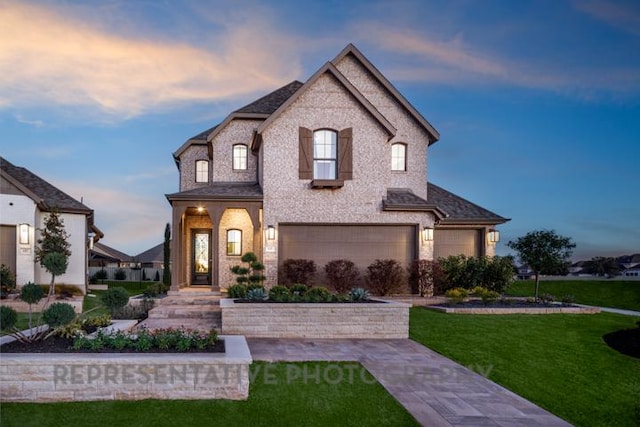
pixel 201 262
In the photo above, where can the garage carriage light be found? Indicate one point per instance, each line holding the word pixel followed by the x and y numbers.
pixel 271 232
pixel 24 234
pixel 427 234
pixel 493 236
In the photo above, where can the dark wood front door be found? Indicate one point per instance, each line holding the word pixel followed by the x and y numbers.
pixel 201 262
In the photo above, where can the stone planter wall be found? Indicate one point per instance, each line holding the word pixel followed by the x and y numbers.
pixel 58 377
pixel 316 320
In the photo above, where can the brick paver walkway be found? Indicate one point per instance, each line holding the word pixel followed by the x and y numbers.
pixel 434 389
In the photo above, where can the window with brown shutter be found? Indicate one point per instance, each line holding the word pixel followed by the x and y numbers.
pixel 305 153
pixel 343 161
pixel 345 158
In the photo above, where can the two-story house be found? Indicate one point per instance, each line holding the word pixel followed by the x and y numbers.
pixel 333 168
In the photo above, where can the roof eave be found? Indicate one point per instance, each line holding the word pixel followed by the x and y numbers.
pixel 400 207
pixel 473 221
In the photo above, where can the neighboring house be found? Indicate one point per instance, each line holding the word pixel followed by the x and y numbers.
pixel 525 272
pixel 102 255
pixel 25 202
pixel 152 258
pixel 333 168
pixel 630 272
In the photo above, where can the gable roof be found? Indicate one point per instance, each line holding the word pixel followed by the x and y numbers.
pixel 402 199
pixel 102 251
pixel 330 69
pixel 272 101
pixel 45 195
pixel 459 210
pixel 154 254
pixel 350 49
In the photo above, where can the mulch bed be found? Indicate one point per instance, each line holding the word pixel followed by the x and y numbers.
pixel 626 341
pixel 63 345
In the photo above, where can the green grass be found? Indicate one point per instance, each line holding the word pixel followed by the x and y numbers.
pixel 558 361
pixel 133 288
pixel 604 293
pixel 23 322
pixel 273 401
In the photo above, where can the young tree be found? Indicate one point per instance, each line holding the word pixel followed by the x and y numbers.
pixel 53 250
pixel 544 251
pixel 166 275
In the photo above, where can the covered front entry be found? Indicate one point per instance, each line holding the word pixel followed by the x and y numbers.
pixel 361 244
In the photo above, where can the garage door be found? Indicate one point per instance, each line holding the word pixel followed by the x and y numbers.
pixel 8 246
pixel 361 244
pixel 456 242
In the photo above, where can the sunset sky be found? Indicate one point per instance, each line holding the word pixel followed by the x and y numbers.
pixel 537 102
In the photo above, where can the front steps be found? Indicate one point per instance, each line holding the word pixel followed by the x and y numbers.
pixel 192 310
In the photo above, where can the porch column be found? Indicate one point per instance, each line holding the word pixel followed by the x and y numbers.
pixel 215 213
pixel 254 214
pixel 177 259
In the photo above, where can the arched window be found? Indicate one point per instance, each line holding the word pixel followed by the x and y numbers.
pixel 325 149
pixel 239 157
pixel 234 242
pixel 399 157
pixel 202 171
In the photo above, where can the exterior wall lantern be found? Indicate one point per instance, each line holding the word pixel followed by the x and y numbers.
pixel 271 232
pixel 493 236
pixel 25 234
pixel 427 234
pixel 92 235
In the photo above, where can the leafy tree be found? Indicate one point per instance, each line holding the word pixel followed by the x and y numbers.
pixel 166 275
pixel 603 266
pixel 53 240
pixel 31 294
pixel 55 263
pixel 544 251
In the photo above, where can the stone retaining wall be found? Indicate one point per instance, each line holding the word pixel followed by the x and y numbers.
pixel 316 320
pixel 49 377
pixel 516 310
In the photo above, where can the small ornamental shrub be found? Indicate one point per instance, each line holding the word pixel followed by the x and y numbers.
pixel 568 299
pixel 120 274
pixel 385 277
pixel 489 297
pixel 477 291
pixel 547 298
pixel 426 278
pixel 237 291
pixel 7 281
pixel 101 275
pixel 8 318
pixel 279 294
pixel 456 295
pixel 98 321
pixel 298 289
pixel 251 271
pixel 155 290
pixel 297 271
pixel 70 330
pixel 31 294
pixel 135 312
pixel 115 298
pixel 256 294
pixel 318 294
pixel 58 314
pixel 341 275
pixel 359 294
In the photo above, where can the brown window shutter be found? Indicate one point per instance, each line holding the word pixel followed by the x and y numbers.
pixel 305 154
pixel 345 156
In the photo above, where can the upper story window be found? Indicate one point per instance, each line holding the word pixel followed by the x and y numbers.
pixel 239 157
pixel 202 171
pixel 234 242
pixel 325 149
pixel 399 157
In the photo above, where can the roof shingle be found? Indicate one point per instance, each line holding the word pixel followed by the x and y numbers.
pixel 221 190
pixel 459 209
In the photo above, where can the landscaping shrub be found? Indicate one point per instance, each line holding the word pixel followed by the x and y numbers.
pixel 477 291
pixel 165 339
pixel 237 291
pixel 489 296
pixel 98 321
pixel 493 273
pixel 251 272
pixel 154 290
pixel 318 294
pixel 115 299
pixel 568 299
pixel 58 314
pixel 137 312
pixel 254 286
pixel 31 294
pixel 426 278
pixel 120 274
pixel 359 294
pixel 256 294
pixel 297 271
pixel 70 330
pixel 63 291
pixel 101 275
pixel 298 289
pixel 279 294
pixel 456 295
pixel 547 298
pixel 384 277
pixel 8 317
pixel 7 281
pixel 341 275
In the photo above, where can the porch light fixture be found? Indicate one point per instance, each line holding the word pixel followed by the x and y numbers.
pixel 91 235
pixel 24 234
pixel 493 236
pixel 271 232
pixel 200 209
pixel 427 234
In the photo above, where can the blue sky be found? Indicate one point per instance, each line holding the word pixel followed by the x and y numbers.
pixel 537 102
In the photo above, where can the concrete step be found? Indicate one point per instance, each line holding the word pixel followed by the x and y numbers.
pixel 209 300
pixel 185 312
pixel 200 324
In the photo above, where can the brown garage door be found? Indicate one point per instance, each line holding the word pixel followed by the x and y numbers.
pixel 456 242
pixel 361 244
pixel 8 246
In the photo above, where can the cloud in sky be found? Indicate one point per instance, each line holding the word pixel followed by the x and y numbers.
pixel 48 57
pixel 621 15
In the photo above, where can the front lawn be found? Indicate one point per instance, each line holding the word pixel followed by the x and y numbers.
pixel 603 293
pixel 558 361
pixel 23 322
pixel 282 394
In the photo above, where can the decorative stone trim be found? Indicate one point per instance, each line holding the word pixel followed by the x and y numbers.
pixel 516 310
pixel 58 377
pixel 384 319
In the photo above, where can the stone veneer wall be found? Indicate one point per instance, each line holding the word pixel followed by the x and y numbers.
pixel 33 377
pixel 188 167
pixel 316 320
pixel 236 132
